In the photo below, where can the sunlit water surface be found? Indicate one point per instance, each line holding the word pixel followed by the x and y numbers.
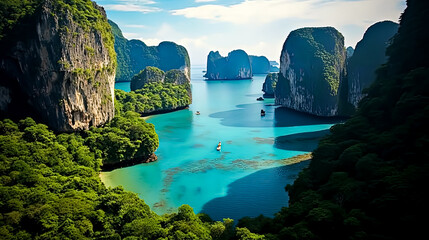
pixel 247 177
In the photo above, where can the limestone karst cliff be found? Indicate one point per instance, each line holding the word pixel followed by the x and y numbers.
pixel 312 64
pixel 369 54
pixel 269 85
pixel 57 64
pixel 134 55
pixel 260 64
pixel 235 66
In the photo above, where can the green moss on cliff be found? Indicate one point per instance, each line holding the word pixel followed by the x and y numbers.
pixel 16 13
pixel 325 50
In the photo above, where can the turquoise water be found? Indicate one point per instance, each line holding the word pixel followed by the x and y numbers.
pixel 247 177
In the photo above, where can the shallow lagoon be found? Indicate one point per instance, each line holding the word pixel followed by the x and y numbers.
pixel 247 177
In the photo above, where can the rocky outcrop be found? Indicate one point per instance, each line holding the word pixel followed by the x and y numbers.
pixel 58 66
pixel 369 55
pixel 350 52
pixel 147 75
pixel 134 55
pixel 235 66
pixel 274 66
pixel 260 64
pixel 154 74
pixel 312 64
pixel 269 85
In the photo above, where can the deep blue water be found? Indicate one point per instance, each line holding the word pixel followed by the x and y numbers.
pixel 247 177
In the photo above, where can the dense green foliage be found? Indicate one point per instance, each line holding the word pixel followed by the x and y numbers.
pixel 16 15
pixel 13 12
pixel 145 76
pixel 50 189
pixel 153 97
pixel 127 137
pixel 368 179
pixel 134 55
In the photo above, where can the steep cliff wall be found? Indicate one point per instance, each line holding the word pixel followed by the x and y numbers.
pixel 260 64
pixel 134 55
pixel 312 64
pixel 235 66
pixel 57 64
pixel 369 55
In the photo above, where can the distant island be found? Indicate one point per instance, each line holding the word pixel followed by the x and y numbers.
pixel 134 55
pixel 237 65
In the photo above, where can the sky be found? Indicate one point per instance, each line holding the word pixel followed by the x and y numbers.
pixel 259 27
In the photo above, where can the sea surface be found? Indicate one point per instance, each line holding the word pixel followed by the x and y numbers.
pixel 247 177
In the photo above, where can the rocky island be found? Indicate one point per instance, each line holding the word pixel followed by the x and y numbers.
pixel 269 85
pixel 235 66
pixel 312 65
pixel 134 55
pixel 260 64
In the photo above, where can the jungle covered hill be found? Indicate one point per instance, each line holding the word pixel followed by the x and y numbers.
pixel 367 180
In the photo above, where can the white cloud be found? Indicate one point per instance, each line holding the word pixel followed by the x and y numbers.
pixel 133 6
pixel 202 1
pixel 136 26
pixel 315 11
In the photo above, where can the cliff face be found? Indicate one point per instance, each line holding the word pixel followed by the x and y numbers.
pixel 235 66
pixel 269 85
pixel 134 55
pixel 58 66
pixel 312 64
pixel 260 64
pixel 368 56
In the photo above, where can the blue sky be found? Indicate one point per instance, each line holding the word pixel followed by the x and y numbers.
pixel 259 27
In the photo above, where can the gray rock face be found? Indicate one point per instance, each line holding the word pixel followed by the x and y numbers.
pixel 235 66
pixel 312 64
pixel 59 72
pixel 260 64
pixel 269 85
pixel 369 55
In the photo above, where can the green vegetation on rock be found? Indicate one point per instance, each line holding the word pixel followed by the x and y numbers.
pixel 153 97
pixel 147 75
pixel 312 65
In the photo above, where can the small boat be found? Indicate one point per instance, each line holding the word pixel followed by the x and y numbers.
pixel 219 146
pixel 260 99
pixel 262 112
pixel 197 113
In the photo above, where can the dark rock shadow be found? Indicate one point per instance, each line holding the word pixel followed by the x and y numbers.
pixel 305 142
pixel 261 192
pixel 286 117
pixel 249 115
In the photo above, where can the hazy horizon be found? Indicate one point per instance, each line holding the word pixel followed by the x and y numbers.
pixel 259 27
